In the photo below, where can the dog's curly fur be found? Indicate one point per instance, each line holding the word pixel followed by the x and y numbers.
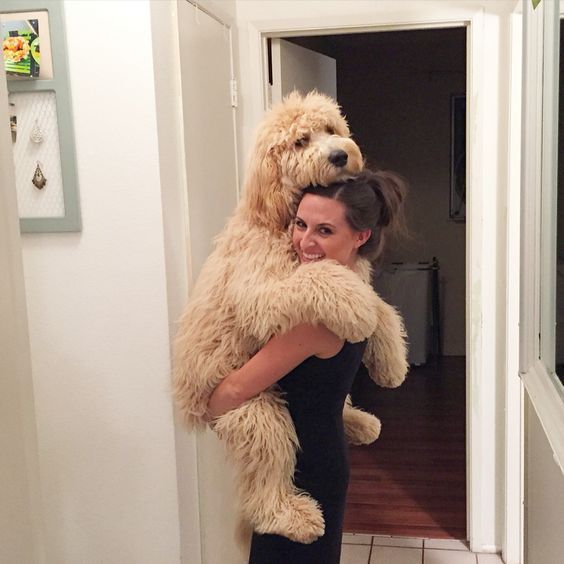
pixel 252 287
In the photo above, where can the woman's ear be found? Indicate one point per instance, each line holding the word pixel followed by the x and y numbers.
pixel 362 237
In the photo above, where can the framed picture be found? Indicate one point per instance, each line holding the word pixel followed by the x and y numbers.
pixel 20 48
pixel 26 45
pixel 458 157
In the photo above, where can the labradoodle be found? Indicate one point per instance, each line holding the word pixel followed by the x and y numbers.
pixel 252 287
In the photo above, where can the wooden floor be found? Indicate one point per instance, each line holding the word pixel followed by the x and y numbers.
pixel 412 480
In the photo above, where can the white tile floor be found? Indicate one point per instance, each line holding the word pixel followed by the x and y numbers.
pixel 368 549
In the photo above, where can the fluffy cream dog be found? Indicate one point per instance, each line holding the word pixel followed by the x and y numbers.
pixel 252 287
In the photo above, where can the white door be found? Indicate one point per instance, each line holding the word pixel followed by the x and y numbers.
pixel 295 67
pixel 209 126
pixel 211 174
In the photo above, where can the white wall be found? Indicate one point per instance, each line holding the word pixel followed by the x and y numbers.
pixel 20 509
pixel 544 497
pixel 97 309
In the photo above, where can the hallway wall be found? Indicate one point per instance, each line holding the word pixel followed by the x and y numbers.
pixel 20 508
pixel 544 496
pixel 97 308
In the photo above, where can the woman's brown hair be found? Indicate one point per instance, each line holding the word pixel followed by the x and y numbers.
pixel 373 200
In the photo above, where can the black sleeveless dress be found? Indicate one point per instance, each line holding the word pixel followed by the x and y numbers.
pixel 316 391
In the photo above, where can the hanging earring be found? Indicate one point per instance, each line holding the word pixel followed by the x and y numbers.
pixel 38 179
pixel 36 134
pixel 13 121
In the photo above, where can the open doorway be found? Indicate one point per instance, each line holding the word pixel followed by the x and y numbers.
pixel 399 91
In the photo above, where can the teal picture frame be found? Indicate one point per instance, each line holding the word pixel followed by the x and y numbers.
pixel 60 85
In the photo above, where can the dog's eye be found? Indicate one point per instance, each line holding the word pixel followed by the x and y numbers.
pixel 303 141
pixel 330 130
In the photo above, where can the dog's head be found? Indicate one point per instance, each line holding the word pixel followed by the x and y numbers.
pixel 303 140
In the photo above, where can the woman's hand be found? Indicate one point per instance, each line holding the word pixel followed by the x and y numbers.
pixel 224 398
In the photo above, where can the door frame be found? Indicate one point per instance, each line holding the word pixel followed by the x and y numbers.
pixel 514 421
pixel 483 302
pixel 197 532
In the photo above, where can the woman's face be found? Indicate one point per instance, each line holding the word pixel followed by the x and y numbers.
pixel 321 231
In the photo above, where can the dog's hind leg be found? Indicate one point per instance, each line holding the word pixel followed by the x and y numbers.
pixel 261 439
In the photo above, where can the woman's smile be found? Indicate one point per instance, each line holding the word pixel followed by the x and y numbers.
pixel 311 257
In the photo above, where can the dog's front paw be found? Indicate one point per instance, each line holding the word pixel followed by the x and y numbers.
pixel 361 428
pixel 385 356
pixel 334 295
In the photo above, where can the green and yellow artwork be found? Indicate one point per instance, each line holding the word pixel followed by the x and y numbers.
pixel 20 48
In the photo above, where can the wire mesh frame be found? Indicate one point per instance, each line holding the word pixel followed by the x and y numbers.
pixel 70 220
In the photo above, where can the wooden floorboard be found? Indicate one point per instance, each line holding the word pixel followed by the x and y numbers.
pixel 412 480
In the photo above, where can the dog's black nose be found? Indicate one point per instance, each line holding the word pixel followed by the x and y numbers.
pixel 338 157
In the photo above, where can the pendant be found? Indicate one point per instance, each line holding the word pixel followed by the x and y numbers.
pixel 38 179
pixel 36 134
pixel 13 122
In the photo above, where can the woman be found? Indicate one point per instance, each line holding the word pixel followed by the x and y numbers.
pixel 311 365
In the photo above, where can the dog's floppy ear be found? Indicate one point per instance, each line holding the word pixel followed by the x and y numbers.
pixel 263 188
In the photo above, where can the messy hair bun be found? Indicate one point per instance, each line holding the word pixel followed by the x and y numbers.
pixel 373 200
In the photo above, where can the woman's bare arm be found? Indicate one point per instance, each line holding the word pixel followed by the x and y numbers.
pixel 278 357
